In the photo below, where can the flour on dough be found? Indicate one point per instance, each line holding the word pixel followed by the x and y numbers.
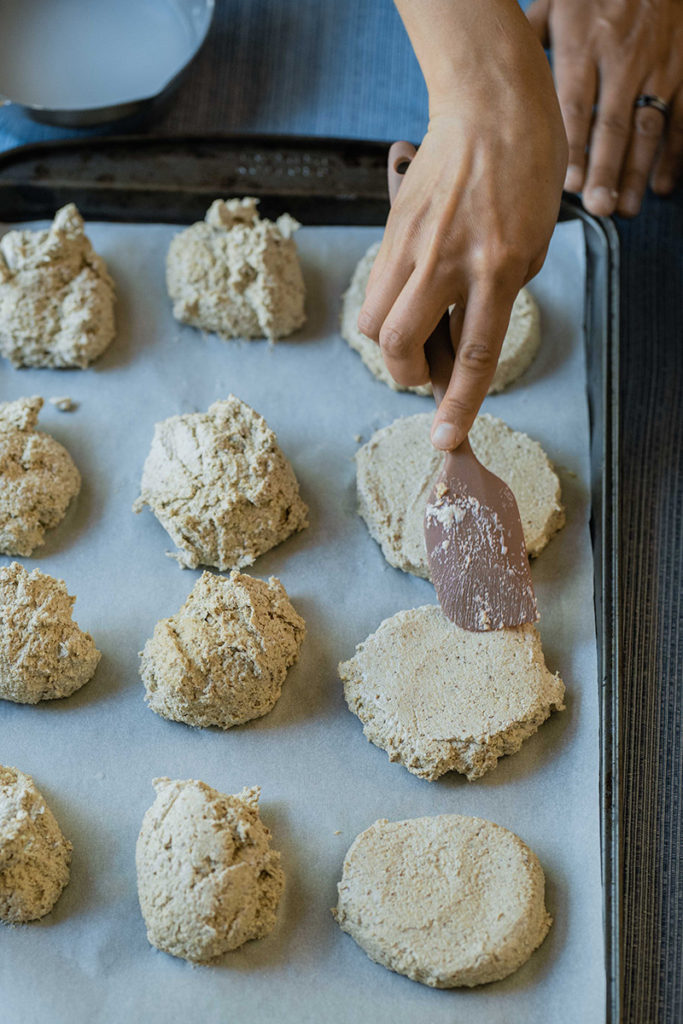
pixel 218 482
pixel 398 467
pixel 519 347
pixel 438 698
pixel 237 274
pixel 222 659
pixel 34 855
pixel 43 653
pixel 448 901
pixel 38 478
pixel 56 296
pixel 208 880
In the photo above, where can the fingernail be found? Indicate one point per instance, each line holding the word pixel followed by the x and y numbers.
pixel 445 436
pixel 629 204
pixel 601 200
pixel 574 178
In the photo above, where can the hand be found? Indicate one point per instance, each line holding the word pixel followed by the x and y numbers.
pixel 606 53
pixel 477 206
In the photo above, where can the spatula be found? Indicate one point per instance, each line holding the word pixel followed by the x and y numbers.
pixel 475 542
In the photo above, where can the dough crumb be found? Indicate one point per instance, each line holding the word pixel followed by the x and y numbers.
pixel 208 880
pixel 237 274
pixel 64 403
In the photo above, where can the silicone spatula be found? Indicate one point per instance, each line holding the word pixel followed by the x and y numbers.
pixel 475 542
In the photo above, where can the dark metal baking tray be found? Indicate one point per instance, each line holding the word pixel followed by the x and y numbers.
pixel 337 181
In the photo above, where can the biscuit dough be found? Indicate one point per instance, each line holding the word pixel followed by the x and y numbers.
pixel 208 880
pixel 38 478
pixel 448 901
pixel 34 855
pixel 43 653
pixel 398 467
pixel 438 698
pixel 56 296
pixel 519 346
pixel 222 659
pixel 237 274
pixel 219 484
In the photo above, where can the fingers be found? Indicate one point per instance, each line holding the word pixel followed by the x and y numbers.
pixel 411 320
pixel 537 16
pixel 481 336
pixel 576 78
pixel 608 146
pixel 387 278
pixel 648 127
pixel 669 165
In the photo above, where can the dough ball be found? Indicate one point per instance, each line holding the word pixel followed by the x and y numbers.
pixel 219 484
pixel 519 347
pixel 56 297
pixel 438 698
pixel 43 653
pixel 38 478
pixel 208 880
pixel 222 659
pixel 447 901
pixel 236 274
pixel 398 467
pixel 34 855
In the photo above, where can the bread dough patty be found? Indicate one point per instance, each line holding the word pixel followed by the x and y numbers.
pixel 237 274
pixel 43 653
pixel 34 855
pixel 447 901
pixel 38 478
pixel 438 698
pixel 208 880
pixel 220 486
pixel 56 296
pixel 520 345
pixel 398 467
pixel 222 659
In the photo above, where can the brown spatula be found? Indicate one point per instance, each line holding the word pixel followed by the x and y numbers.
pixel 475 542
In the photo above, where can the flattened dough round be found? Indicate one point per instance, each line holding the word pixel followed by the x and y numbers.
pixel 237 274
pixel 34 855
pixel 208 880
pixel 222 659
pixel 43 653
pixel 398 467
pixel 38 478
pixel 56 296
pixel 519 347
pixel 438 698
pixel 220 486
pixel 448 901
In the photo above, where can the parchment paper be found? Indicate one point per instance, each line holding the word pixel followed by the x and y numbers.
pixel 94 755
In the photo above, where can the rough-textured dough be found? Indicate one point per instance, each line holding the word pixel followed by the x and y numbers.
pixel 237 274
pixel 519 347
pixel 438 698
pixel 34 855
pixel 447 901
pixel 43 653
pixel 56 297
pixel 208 880
pixel 38 478
pixel 218 482
pixel 398 467
pixel 222 659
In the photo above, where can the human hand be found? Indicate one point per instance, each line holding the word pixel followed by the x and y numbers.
pixel 476 210
pixel 606 53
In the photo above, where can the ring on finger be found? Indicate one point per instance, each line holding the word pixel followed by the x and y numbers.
pixel 650 100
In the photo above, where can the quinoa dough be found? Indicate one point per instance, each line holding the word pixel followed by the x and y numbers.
pixel 438 698
pixel 448 901
pixel 38 478
pixel 236 274
pixel 56 297
pixel 222 659
pixel 218 482
pixel 398 467
pixel 43 653
pixel 34 855
pixel 208 880
pixel 519 347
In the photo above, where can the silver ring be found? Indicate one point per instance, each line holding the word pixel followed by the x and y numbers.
pixel 648 100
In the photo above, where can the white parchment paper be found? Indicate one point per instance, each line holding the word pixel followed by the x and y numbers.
pixel 94 755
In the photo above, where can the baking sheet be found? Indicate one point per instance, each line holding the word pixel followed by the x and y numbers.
pixel 94 755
